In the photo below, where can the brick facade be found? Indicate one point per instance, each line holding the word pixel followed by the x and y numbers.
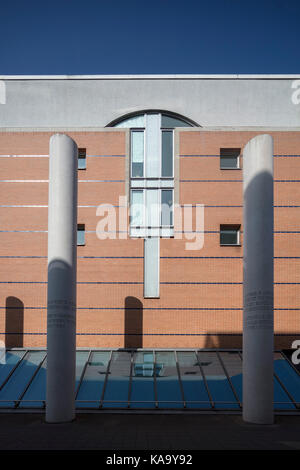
pixel 200 302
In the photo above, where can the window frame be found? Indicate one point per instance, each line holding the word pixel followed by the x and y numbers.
pixel 81 150
pixel 81 230
pixel 232 227
pixel 228 151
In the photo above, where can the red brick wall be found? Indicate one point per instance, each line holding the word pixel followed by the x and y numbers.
pixel 200 301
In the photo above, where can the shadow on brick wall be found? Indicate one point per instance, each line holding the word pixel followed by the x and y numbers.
pixel 14 322
pixel 133 328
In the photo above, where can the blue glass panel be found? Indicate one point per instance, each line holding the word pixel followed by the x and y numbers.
pixel 91 387
pixel 217 382
pixel 167 382
pixel 135 121
pixel 36 390
pixel 170 122
pixel 8 362
pixel 17 383
pixel 81 163
pixel 81 358
pixel 194 389
pixel 142 386
pixel 233 364
pixel 288 376
pixel 117 387
pixel 80 236
pixel 281 399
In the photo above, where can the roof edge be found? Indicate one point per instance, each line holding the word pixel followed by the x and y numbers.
pixel 155 77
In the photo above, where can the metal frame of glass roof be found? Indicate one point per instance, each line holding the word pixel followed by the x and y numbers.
pixel 152 380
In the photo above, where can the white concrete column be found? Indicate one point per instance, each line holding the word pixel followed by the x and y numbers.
pixel 62 257
pixel 258 281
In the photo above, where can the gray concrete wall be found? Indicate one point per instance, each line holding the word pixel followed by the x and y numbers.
pixel 96 101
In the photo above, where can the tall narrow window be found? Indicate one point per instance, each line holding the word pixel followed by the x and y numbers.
pixel 80 234
pixel 81 159
pixel 167 154
pixel 137 154
pixel 137 208
pixel 166 208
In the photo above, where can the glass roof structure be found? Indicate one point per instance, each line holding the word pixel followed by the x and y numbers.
pixel 145 379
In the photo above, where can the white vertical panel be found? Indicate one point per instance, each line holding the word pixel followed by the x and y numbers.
pixel 137 208
pixel 153 145
pixel 152 207
pixel 151 267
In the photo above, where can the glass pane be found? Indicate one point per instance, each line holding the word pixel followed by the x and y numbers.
pixel 194 389
pixel 288 376
pixel 8 362
pixel 137 154
pixel 166 207
pixel 168 121
pixel 36 393
pixel 81 163
pixel 217 382
pixel 137 208
pixel 233 364
pixel 17 383
pixel 135 121
pixel 153 207
pixel 142 386
pixel 229 162
pixel 167 382
pixel 117 387
pixel 81 358
pixel 80 236
pixel 281 399
pixel 167 153
pixel 229 237
pixel 137 146
pixel 91 387
pixel 137 170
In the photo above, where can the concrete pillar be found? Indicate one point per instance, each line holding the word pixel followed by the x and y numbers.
pixel 258 281
pixel 62 256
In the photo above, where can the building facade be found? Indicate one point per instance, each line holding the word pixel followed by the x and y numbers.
pixel 169 275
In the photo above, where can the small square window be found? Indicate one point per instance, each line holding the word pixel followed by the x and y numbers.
pixel 230 159
pixel 80 234
pixel 81 159
pixel 230 235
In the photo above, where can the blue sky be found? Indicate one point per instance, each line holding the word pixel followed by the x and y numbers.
pixel 149 36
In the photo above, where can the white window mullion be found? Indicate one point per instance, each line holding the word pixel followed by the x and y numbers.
pixel 153 146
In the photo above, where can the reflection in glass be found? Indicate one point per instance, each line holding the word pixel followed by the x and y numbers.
pixel 171 122
pixel 18 382
pixel 91 387
pixel 137 208
pixel 233 365
pixel 217 382
pixel 167 153
pixel 288 376
pixel 290 379
pixel 167 207
pixel 117 387
pixel 167 382
pixel 135 121
pixel 8 362
pixel 137 154
pixel 194 389
pixel 142 386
